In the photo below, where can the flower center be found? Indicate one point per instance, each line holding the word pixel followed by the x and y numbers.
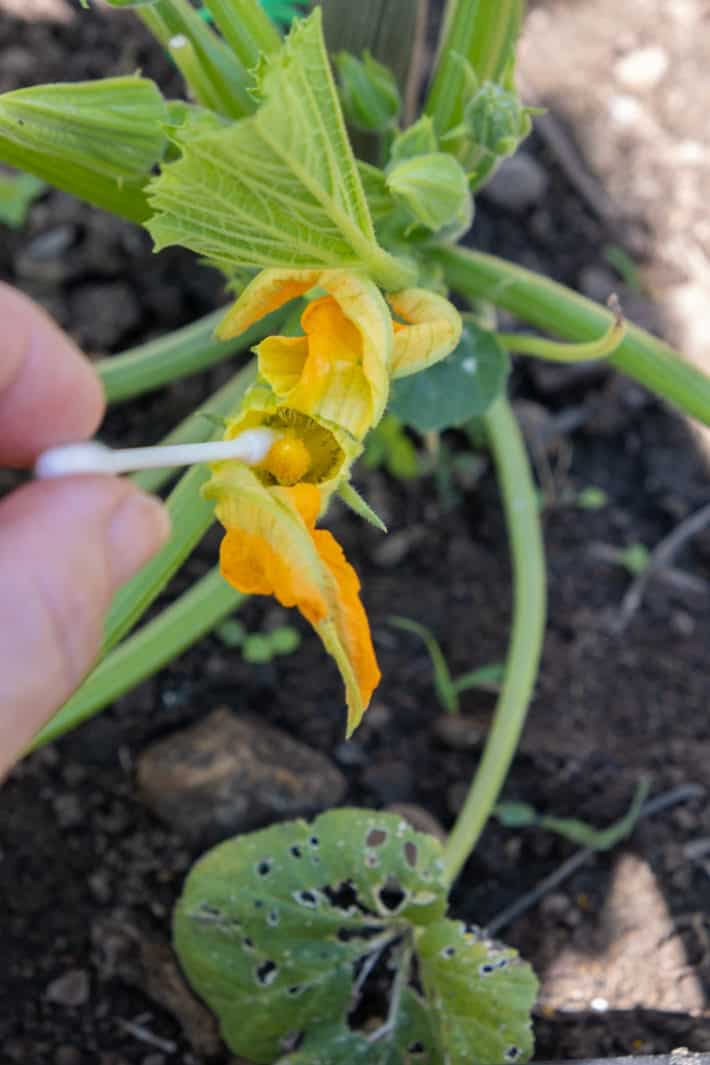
pixel 288 460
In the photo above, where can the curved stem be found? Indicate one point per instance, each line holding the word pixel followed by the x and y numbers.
pixel 524 532
pixel 557 309
pixel 554 351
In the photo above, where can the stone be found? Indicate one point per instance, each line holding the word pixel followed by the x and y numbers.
pixel 518 184
pixel 459 732
pixel 70 989
pixel 229 774
pixel 642 69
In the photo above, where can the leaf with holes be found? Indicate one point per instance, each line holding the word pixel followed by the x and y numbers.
pixel 407 1040
pixel 481 995
pixel 280 188
pixel 274 928
pixel 460 387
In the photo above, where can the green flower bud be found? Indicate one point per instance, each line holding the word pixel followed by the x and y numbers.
pixel 419 139
pixel 434 187
pixel 368 91
pixel 496 120
pixel 113 127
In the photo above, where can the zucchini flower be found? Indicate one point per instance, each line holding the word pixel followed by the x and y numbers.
pixel 319 394
pixel 340 370
pixel 271 546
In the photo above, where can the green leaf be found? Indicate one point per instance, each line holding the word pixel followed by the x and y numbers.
pixel 17 193
pixel 481 995
pixel 272 924
pixel 460 387
pixel 408 1039
pixel 280 188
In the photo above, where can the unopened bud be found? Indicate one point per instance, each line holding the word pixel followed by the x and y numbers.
pixel 496 120
pixel 418 139
pixel 434 187
pixel 368 91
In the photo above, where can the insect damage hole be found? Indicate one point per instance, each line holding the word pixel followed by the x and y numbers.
pixel 306 898
pixel 264 867
pixel 267 972
pixel 375 837
pixel 391 895
pixel 512 1053
pixel 411 854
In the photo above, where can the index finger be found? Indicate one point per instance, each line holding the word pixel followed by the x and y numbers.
pixel 49 392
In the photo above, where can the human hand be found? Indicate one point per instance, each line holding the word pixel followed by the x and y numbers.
pixel 65 545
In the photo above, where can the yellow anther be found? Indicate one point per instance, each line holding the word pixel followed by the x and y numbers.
pixel 289 460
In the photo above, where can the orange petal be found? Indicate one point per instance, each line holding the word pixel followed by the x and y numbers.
pixel 352 627
pixel 266 293
pixel 249 563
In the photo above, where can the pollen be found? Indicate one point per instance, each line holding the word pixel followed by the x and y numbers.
pixel 289 460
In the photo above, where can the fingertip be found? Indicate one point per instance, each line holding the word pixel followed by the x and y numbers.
pixel 49 392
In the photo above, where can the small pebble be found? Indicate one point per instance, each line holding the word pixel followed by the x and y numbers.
pixel 520 183
pixel 642 69
pixel 70 989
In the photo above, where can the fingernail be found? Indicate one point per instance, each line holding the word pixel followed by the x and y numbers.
pixel 138 528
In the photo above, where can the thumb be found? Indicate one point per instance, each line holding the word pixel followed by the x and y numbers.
pixel 65 547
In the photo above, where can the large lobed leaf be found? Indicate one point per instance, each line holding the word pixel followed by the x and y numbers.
pixel 460 387
pixel 277 930
pixel 280 188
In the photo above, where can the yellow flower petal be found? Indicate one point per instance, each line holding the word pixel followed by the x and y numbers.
pixel 266 293
pixel 281 361
pixel 431 331
pixel 340 370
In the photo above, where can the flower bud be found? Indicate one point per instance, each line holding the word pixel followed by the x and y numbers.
pixel 418 139
pixel 496 120
pixel 368 91
pixel 434 187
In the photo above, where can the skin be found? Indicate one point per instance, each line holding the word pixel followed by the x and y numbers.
pixel 66 545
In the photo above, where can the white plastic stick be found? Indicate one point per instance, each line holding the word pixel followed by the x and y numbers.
pixel 250 447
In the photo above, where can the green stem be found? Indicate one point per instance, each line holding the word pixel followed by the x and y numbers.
pixel 554 308
pixel 214 74
pixel 198 426
pixel 553 351
pixel 523 523
pixel 246 28
pixel 179 354
pixel 482 32
pixel 188 619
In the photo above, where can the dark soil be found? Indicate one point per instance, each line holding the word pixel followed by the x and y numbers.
pixel 80 849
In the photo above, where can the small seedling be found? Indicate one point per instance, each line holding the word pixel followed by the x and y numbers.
pixel 591 498
pixel 448 688
pixel 522 815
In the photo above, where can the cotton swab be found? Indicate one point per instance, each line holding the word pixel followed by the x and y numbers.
pixel 251 447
